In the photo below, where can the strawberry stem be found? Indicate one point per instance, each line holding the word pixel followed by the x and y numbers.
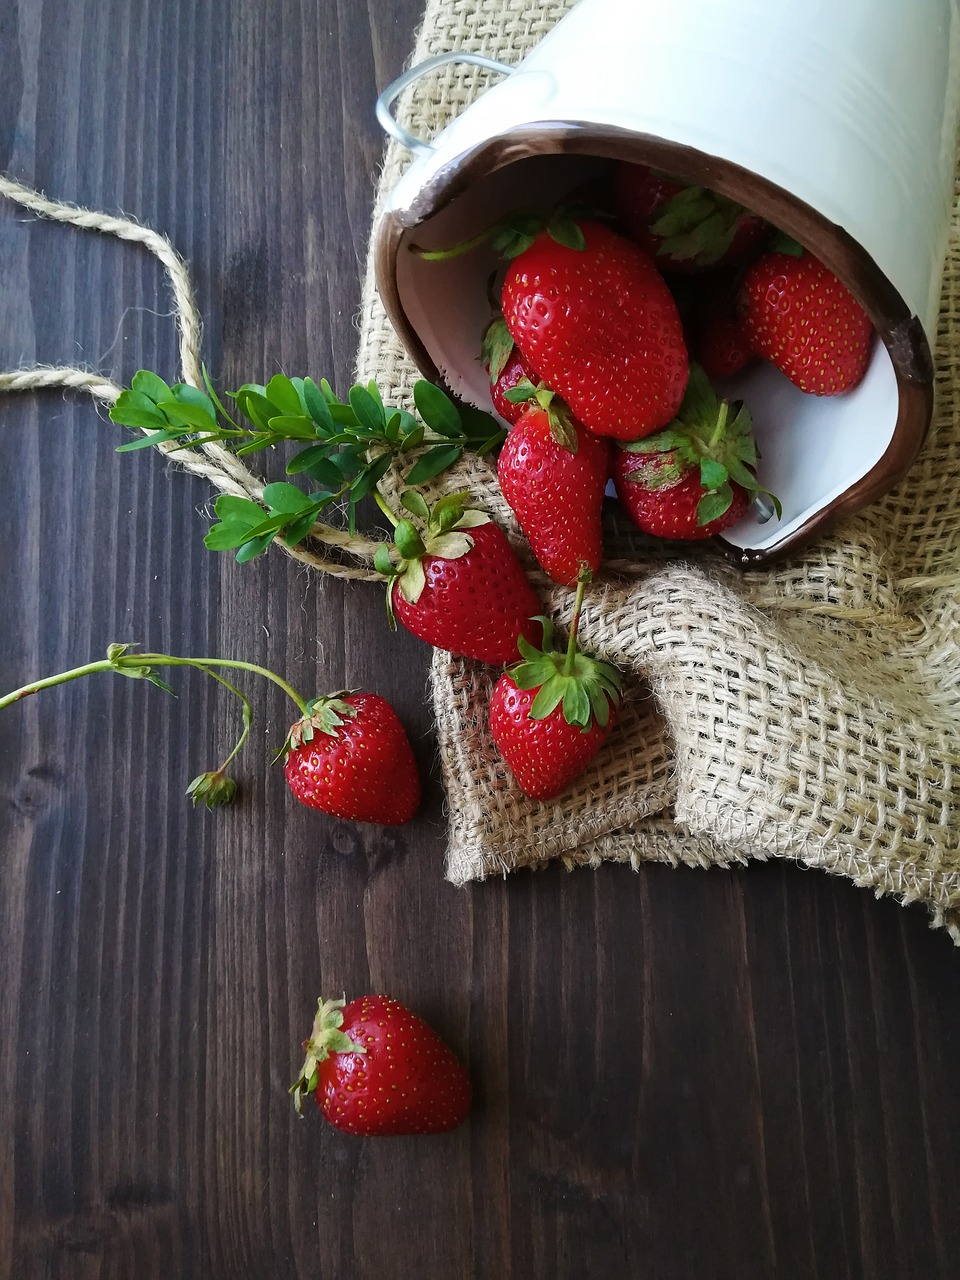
pixel 141 664
pixel 569 665
pixel 384 507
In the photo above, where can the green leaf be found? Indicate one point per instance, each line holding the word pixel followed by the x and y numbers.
pixel 213 395
pixel 189 415
pixel 293 426
pixel 315 463
pixel 712 473
pixel 134 409
pixel 148 442
pixel 713 505
pixel 413 439
pixel 782 243
pixel 533 674
pixel 226 536
pixel 548 699
pixel 367 480
pixel 316 405
pixel 298 530
pixel 414 502
pixel 436 409
pixel 522 392
pixel 564 230
pixel 281 392
pixel 496 348
pixel 285 497
pixel 150 385
pixel 229 507
pixel 369 413
pixel 478 425
pixel 382 562
pixel 408 540
pixel 413 581
pixel 184 393
pixel 576 704
pixel 254 406
pixel 250 550
pixel 432 462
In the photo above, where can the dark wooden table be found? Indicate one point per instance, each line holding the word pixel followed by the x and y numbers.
pixel 678 1073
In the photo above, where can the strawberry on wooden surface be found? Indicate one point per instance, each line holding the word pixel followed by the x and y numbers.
pixel 798 315
pixel 350 757
pixel 377 1070
pixel 697 477
pixel 553 474
pixel 596 320
pixel 458 585
pixel 551 713
pixel 684 227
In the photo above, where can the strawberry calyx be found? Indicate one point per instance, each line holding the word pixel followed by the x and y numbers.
pixel 325 1038
pixel 514 234
pixel 558 415
pixel 213 787
pixel 696 223
pixel 496 348
pixel 326 714
pixel 443 535
pixel 711 435
pixel 584 687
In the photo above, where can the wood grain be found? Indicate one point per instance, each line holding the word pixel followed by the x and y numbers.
pixel 679 1073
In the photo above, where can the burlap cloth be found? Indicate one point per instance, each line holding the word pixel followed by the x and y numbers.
pixel 806 711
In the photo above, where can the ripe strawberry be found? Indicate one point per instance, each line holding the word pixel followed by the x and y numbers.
pixel 723 348
pixel 684 227
pixel 799 316
pixel 600 326
pixel 376 1069
pixel 696 478
pixel 506 368
pixel 551 713
pixel 460 585
pixel 553 473
pixel 350 757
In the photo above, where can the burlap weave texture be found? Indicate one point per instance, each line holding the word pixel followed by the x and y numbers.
pixel 808 710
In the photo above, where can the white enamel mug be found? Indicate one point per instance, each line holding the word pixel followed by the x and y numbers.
pixel 834 119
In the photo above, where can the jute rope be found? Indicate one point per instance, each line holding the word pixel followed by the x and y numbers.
pixel 211 461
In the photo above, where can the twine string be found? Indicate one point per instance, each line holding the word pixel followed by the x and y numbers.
pixel 211 461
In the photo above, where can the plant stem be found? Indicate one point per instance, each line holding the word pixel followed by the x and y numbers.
pixel 247 717
pixel 139 660
pixel 570 663
pixel 381 502
pixel 50 681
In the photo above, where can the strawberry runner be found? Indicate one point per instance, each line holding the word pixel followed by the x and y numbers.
pixel 807 711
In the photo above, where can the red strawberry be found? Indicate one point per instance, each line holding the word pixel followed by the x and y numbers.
pixel 506 368
pixel 600 326
pixel 459 586
pixel 723 347
pixel 696 478
pixel 551 713
pixel 553 473
pixel 376 1069
pixel 686 228
pixel 350 757
pixel 799 316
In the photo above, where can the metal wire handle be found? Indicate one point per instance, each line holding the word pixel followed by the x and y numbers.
pixel 392 92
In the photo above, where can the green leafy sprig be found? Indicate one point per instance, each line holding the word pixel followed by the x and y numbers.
pixel 346 446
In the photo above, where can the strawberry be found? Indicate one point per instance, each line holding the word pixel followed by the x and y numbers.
pixel 459 586
pixel 553 473
pixel 551 713
pixel 600 326
pixel 684 227
pixel 799 316
pixel 695 478
pixel 350 756
pixel 376 1069
pixel 506 368
pixel 723 348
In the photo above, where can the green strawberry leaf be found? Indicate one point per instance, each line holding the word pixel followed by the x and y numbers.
pixel 714 505
pixel 496 348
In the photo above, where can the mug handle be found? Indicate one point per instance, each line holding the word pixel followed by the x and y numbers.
pixel 389 96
